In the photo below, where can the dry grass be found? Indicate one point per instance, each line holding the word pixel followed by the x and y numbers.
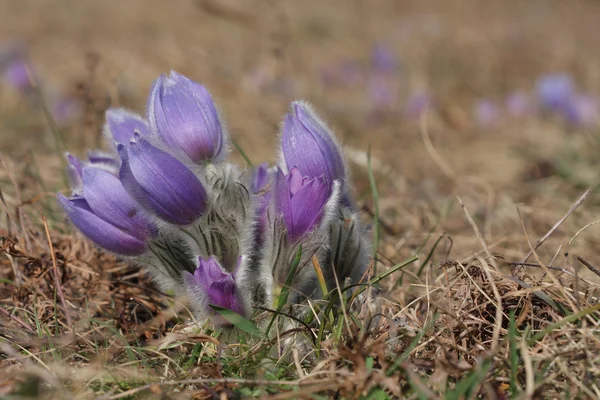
pixel 472 317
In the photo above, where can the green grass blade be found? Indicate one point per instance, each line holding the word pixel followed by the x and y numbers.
pixel 237 320
pixel 375 194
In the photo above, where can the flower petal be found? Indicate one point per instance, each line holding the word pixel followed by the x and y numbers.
pixel 307 207
pixel 162 183
pixel 122 124
pixel 184 114
pixel 110 201
pixel 99 231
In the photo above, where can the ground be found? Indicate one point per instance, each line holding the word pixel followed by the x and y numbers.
pixel 470 197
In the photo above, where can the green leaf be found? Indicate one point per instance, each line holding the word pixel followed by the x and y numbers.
pixel 237 320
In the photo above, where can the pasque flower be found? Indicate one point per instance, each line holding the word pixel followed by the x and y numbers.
pixel 161 183
pixel 300 201
pixel 308 144
pixel 183 113
pixel 122 124
pixel 108 215
pixel 212 283
pixel 555 90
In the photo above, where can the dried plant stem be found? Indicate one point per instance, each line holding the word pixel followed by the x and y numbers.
pixel 59 290
pixel 16 319
pixel 589 265
pixel 557 224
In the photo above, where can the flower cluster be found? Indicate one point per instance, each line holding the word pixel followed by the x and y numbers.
pixel 165 195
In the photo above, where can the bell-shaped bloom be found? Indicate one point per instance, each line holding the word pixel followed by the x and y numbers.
pixel 185 116
pixel 212 283
pixel 161 183
pixel 300 201
pixel 122 124
pixel 108 215
pixel 582 110
pixel 308 145
pixel 555 91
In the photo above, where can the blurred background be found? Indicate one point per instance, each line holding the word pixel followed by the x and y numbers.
pixel 496 101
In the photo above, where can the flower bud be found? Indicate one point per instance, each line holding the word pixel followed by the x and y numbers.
pixel 300 201
pixel 161 183
pixel 185 116
pixel 100 231
pixel 108 215
pixel 210 284
pixel 308 144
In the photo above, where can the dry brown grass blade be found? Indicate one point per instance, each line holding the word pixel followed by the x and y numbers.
pixel 57 283
pixel 574 207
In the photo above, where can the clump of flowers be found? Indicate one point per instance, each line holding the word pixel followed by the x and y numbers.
pixel 165 196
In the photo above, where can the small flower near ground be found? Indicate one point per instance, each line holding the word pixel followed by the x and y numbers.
pixel 555 91
pixel 210 284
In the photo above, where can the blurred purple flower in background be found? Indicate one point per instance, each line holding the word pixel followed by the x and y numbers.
pixel 555 91
pixel 210 281
pixel 486 113
pixel 382 59
pixel 16 74
pixel 582 110
pixel 518 104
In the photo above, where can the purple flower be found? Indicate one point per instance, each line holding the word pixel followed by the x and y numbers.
pixel 555 90
pixel 308 145
pixel 212 281
pixel 300 201
pixel 382 59
pixel 16 74
pixel 161 183
pixel 486 113
pixel 122 124
pixel 582 110
pixel 517 104
pixel 382 92
pixel 185 116
pixel 107 215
